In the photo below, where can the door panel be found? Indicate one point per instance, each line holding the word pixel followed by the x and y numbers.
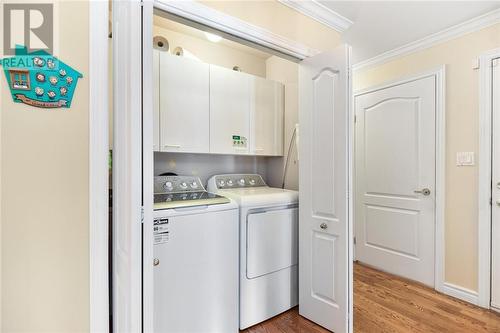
pixel 381 150
pixel 324 184
pixel 395 157
pixel 323 276
pixel 495 214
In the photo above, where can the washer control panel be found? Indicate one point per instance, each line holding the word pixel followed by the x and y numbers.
pixel 236 181
pixel 177 184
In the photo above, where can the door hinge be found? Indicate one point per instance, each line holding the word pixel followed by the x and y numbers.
pixel 355 119
pixel 142 214
pixel 354 241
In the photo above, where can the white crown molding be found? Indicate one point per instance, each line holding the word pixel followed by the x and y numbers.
pixel 320 13
pixel 475 24
pixel 232 26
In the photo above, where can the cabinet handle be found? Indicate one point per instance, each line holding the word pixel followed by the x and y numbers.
pixel 323 226
pixel 172 146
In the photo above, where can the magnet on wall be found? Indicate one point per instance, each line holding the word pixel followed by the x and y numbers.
pixel 39 79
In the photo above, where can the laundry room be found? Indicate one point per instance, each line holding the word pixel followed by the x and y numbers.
pixel 192 140
pixel 225 125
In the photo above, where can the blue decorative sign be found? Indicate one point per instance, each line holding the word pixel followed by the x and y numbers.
pixel 40 79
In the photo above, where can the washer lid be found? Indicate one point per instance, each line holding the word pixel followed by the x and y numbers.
pixel 261 196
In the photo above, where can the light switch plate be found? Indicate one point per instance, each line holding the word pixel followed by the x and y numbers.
pixel 465 158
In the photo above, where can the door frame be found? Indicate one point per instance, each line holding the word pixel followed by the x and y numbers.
pixel 440 76
pixel 485 176
pixel 211 19
pixel 98 166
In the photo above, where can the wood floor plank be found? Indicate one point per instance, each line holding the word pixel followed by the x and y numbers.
pixel 384 303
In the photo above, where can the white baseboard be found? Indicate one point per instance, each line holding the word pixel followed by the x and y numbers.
pixel 461 293
pixel 495 307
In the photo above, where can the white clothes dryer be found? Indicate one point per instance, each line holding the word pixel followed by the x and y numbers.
pixel 268 245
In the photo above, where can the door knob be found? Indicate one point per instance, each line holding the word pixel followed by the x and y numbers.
pixel 323 226
pixel 156 261
pixel 424 191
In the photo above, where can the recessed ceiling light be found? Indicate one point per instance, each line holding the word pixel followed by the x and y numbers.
pixel 212 37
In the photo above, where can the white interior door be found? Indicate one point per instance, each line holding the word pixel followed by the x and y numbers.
pixel 395 179
pixel 324 233
pixel 495 213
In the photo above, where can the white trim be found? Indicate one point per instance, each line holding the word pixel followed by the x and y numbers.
pixel 350 193
pixel 147 167
pixel 461 293
pixel 495 307
pixel 475 24
pixel 199 13
pixel 440 76
pixel 320 13
pixel 98 165
pixel 127 166
pixel 484 192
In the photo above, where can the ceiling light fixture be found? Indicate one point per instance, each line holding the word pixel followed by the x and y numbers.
pixel 212 37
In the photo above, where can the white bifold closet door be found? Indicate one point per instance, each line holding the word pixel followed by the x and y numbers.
pixel 495 213
pixel 324 229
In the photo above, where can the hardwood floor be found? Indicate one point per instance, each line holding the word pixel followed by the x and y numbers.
pixel 384 303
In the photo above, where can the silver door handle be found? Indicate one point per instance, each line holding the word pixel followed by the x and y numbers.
pixel 323 226
pixel 424 191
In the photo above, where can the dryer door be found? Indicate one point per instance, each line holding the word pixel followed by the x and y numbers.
pixel 272 241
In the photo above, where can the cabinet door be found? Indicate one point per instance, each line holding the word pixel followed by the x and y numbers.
pixel 267 117
pixel 156 100
pixel 184 105
pixel 229 111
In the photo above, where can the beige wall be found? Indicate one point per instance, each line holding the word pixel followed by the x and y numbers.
pixel 462 134
pixel 44 199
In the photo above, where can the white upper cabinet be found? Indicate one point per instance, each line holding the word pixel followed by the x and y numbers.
pixel 156 100
pixel 230 103
pixel 267 117
pixel 184 105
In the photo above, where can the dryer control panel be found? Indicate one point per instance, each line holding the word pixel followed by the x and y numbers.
pixel 235 181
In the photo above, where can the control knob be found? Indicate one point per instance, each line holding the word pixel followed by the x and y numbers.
pixel 168 186
pixel 184 185
pixel 229 183
pixel 241 181
pixel 252 181
pixel 194 185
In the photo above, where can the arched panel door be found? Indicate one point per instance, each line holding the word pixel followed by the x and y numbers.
pixel 324 249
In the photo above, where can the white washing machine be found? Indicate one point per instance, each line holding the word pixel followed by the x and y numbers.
pixel 268 245
pixel 195 258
